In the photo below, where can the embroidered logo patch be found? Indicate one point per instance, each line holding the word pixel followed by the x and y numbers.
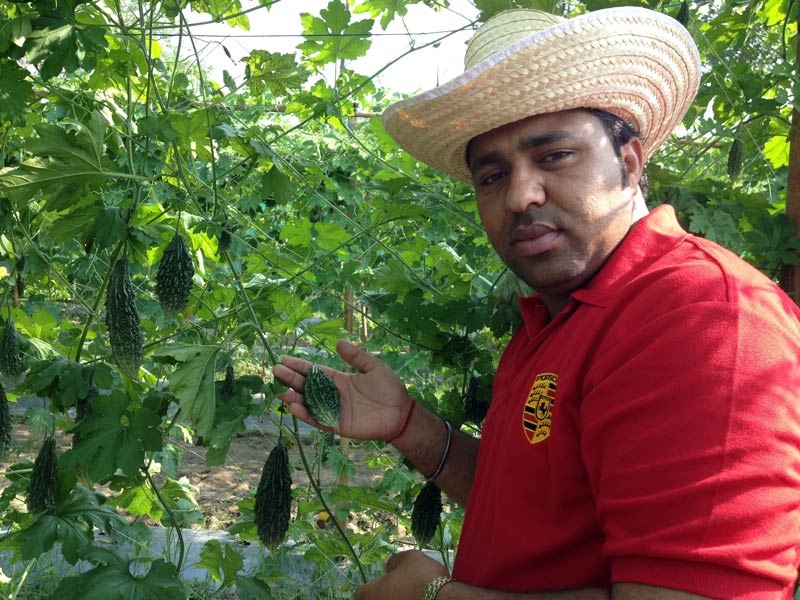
pixel 537 413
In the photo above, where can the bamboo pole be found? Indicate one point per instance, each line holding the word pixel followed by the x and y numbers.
pixel 790 274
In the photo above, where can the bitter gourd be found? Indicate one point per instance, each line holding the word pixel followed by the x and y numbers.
pixel 426 514
pixel 225 240
pixel 474 409
pixel 5 421
pixel 125 335
pixel 735 159
pixel 683 14
pixel 10 358
pixel 228 389
pixel 43 490
pixel 322 397
pixel 274 498
pixel 174 277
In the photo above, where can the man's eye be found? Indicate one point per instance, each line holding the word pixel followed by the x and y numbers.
pixel 557 155
pixel 491 178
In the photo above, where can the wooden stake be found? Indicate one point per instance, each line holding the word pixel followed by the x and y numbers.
pixel 790 274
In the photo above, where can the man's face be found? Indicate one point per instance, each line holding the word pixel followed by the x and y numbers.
pixel 551 199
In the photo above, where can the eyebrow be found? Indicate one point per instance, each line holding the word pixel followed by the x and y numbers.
pixel 527 143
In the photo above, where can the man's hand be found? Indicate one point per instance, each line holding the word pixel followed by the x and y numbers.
pixel 374 401
pixel 407 575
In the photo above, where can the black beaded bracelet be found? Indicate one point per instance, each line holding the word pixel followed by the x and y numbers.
pixel 438 470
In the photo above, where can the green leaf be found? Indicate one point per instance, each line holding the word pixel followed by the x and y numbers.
pixel 192 381
pixel 59 44
pixel 112 226
pixel 76 224
pixel 389 8
pixel 16 92
pixel 273 72
pixel 777 151
pixel 139 500
pixel 222 563
pixel 297 233
pixel 70 523
pixel 114 436
pixel 63 381
pixel 331 37
pixel 116 577
pixel 67 164
pixel 250 588
pixel 14 31
pixel 65 181
pixel 277 185
pixel 330 236
pixel 177 495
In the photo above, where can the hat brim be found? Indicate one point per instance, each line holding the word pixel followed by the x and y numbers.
pixel 632 62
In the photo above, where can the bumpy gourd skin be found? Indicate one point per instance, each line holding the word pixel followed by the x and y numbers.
pixel 228 384
pixel 427 513
pixel 274 498
pixel 125 335
pixel 322 397
pixel 43 490
pixel 10 359
pixel 735 159
pixel 174 277
pixel 5 422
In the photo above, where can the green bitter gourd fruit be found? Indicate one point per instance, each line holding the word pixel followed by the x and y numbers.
pixel 5 422
pixel 474 409
pixel 426 514
pixel 274 498
pixel 10 358
pixel 43 490
pixel 683 14
pixel 228 389
pixel 322 397
pixel 225 239
pixel 125 335
pixel 174 277
pixel 735 159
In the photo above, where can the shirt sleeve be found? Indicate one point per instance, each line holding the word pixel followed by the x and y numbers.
pixel 691 437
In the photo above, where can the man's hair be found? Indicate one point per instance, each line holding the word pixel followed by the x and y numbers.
pixel 620 132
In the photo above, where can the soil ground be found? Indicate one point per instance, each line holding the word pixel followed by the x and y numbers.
pixel 219 488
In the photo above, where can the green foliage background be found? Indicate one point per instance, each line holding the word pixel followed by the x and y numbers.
pixel 306 224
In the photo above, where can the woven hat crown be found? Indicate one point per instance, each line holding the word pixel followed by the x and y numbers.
pixel 502 30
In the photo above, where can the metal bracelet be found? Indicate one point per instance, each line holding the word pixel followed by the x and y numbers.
pixel 438 470
pixel 432 589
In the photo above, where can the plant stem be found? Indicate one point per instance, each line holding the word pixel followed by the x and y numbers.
pixel 324 503
pixel 168 510
pixel 273 358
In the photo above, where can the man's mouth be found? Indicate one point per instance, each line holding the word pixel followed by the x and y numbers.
pixel 534 239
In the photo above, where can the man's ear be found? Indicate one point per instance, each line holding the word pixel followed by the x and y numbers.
pixel 632 156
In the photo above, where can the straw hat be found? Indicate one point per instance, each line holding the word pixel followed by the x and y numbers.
pixel 636 63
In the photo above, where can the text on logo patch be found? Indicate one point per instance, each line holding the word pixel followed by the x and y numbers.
pixel 538 409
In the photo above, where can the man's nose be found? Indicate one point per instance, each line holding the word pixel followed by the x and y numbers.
pixel 525 188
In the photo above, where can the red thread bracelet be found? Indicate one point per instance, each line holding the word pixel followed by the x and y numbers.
pixel 405 423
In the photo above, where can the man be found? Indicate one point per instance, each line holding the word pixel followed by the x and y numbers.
pixel 644 435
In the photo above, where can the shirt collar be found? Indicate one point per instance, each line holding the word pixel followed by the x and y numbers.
pixel 647 241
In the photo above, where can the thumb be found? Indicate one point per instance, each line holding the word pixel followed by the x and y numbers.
pixel 357 357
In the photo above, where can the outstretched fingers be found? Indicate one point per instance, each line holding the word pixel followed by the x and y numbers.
pixel 356 357
pixel 292 373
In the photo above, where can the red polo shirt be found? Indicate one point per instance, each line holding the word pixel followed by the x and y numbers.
pixel 649 433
